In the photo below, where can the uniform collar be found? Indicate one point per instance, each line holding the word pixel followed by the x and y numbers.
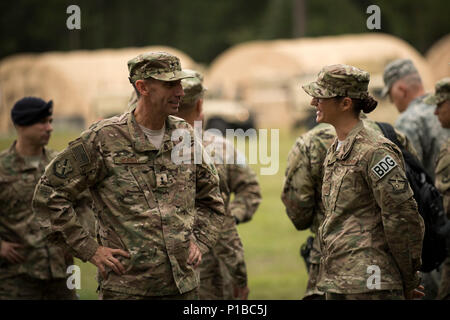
pixel 17 162
pixel 419 99
pixel 348 143
pixel 140 141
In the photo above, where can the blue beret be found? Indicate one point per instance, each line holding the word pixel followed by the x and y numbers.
pixel 30 110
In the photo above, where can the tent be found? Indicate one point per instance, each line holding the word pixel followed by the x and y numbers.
pixel 84 85
pixel 267 75
pixel 438 57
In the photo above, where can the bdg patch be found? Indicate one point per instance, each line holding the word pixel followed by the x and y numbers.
pixel 384 166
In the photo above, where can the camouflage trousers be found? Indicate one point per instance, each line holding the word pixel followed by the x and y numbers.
pixel 444 286
pixel 215 281
pixel 23 287
pixel 376 295
pixel 211 288
pixel 312 292
pixel 113 295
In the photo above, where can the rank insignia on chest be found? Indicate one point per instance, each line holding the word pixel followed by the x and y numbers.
pixel 161 180
pixel 384 166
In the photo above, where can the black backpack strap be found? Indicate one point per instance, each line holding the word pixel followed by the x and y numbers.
pixel 389 132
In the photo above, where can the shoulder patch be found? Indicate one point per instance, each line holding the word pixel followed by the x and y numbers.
pixel 384 166
pixel 80 154
pixel 61 168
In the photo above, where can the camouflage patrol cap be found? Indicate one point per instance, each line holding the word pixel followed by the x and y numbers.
pixel 442 92
pixel 192 87
pixel 394 71
pixel 157 65
pixel 339 80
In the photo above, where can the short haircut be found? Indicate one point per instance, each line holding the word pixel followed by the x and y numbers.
pixel 413 80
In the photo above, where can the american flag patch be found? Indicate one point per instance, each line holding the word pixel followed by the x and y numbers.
pixel 80 154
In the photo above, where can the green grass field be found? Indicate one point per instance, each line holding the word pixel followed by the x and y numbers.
pixel 275 268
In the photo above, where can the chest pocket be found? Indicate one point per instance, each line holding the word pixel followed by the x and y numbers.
pixel 132 175
pixel 25 184
pixel 7 191
pixel 326 185
pixel 176 183
pixel 351 186
pixel 16 196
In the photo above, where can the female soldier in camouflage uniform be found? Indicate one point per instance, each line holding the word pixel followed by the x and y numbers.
pixel 302 190
pixel 371 237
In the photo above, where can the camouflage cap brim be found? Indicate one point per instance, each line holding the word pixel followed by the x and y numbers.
pixel 172 76
pixel 385 91
pixel 157 65
pixel 431 99
pixel 437 98
pixel 317 91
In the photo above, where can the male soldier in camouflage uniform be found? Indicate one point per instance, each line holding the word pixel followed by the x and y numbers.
pixel 30 268
pixel 367 213
pixel 442 101
pixel 223 272
pixel 405 89
pixel 155 217
pixel 242 208
pixel 302 191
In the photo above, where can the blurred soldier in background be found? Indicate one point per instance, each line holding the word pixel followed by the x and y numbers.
pixel 302 190
pixel 405 89
pixel 334 83
pixel 30 268
pixel 156 218
pixel 404 86
pixel 441 99
pixel 223 272
pixel 302 193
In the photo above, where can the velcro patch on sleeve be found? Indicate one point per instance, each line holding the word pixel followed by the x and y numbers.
pixel 80 154
pixel 384 166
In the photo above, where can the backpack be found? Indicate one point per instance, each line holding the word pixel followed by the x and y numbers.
pixel 436 245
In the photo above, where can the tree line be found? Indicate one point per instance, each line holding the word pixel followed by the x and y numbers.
pixel 205 28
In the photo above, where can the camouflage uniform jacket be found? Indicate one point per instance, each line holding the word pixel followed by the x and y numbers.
pixel 443 185
pixel 240 180
pixel 145 203
pixel 424 131
pixel 443 175
pixel 247 192
pixel 17 220
pixel 302 191
pixel 371 217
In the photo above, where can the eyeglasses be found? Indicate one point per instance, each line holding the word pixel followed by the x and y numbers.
pixel 321 100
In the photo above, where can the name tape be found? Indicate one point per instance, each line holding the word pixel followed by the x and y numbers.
pixel 384 166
